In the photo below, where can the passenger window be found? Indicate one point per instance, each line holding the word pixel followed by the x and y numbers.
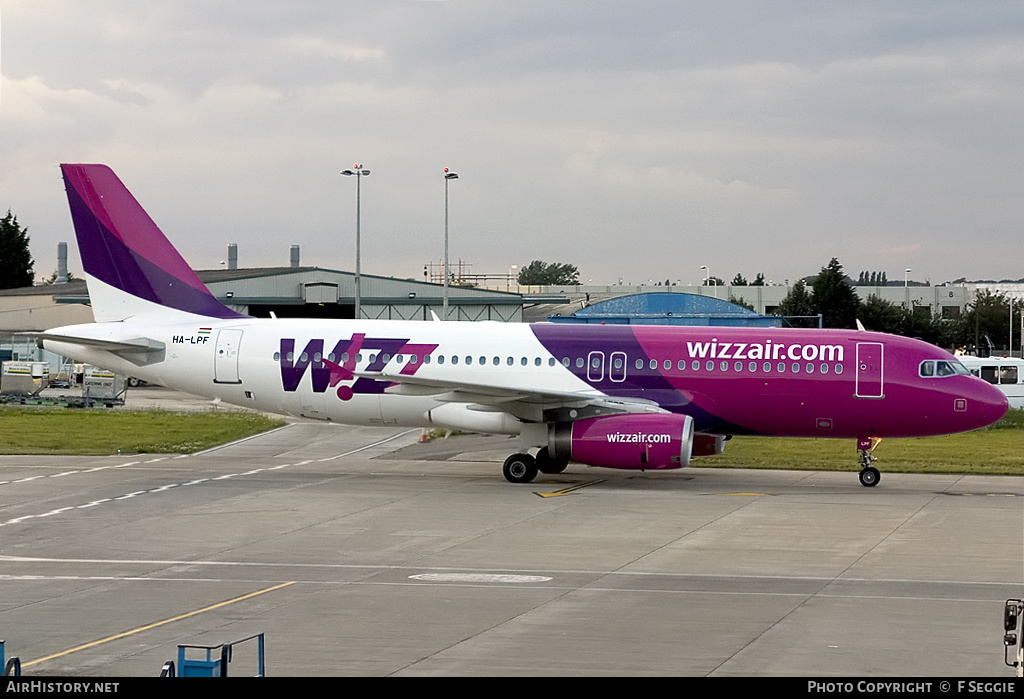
pixel 752 366
pixel 654 364
pixel 440 359
pixel 413 358
pixel 738 366
pixel 796 368
pixel 426 359
pixel 522 361
pixel 483 361
pixel 469 360
pixel 551 361
pixel 344 356
pixel 496 361
pixel 782 367
pixel 399 359
pixel 839 368
pixel 767 367
pixel 510 361
pixel 681 364
pixel 1008 374
pixel 303 357
pixel 317 357
pixel 579 362
pixel 565 361
pixel 667 364
pixel 536 361
pixel 810 368
pixel 455 359
pixel 639 364
pixel 695 365
pixel 824 368
pixel 710 366
pixel 724 366
pixel 988 373
pixel 277 356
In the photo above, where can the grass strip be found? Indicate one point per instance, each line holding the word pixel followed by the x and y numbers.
pixel 99 431
pixel 994 450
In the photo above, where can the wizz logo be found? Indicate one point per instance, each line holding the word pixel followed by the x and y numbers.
pixel 325 373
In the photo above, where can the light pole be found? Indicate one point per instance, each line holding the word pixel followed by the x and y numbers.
pixel 906 288
pixel 707 275
pixel 358 172
pixel 447 177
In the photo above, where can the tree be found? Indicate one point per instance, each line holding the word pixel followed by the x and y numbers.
pixel 741 302
pixel 739 280
pixel 540 273
pixel 834 297
pixel 758 280
pixel 988 316
pixel 15 258
pixel 798 302
pixel 52 279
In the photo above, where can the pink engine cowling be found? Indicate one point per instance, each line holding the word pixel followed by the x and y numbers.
pixel 660 441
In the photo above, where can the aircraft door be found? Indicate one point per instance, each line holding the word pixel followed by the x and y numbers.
pixel 869 370
pixel 225 361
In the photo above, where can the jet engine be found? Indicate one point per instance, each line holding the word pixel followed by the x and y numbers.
pixel 641 441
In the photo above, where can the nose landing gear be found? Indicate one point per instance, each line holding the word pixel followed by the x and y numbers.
pixel 869 475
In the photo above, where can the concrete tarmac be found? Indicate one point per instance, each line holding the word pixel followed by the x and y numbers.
pixel 359 552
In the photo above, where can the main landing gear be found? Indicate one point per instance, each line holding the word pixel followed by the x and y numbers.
pixel 519 468
pixel 869 475
pixel 523 468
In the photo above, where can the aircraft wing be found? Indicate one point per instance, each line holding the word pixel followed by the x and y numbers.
pixel 532 404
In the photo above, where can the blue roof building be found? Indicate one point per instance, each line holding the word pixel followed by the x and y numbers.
pixel 669 309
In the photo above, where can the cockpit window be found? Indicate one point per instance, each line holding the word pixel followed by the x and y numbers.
pixel 942 368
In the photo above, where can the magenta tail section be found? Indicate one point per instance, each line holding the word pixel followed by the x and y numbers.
pixel 122 247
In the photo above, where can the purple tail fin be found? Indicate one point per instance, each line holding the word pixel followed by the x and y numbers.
pixel 123 249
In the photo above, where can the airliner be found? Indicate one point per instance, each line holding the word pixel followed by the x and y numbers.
pixel 616 396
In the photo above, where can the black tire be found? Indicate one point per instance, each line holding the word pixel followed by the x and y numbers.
pixel 869 477
pixel 519 468
pixel 548 464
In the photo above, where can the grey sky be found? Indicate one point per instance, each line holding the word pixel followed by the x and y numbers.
pixel 635 140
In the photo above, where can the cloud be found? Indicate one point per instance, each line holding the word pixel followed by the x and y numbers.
pixel 637 143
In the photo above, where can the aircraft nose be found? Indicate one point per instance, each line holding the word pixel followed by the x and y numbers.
pixel 986 403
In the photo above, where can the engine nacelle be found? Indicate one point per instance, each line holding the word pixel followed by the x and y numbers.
pixel 643 441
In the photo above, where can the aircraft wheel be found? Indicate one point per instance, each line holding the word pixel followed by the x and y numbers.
pixel 548 464
pixel 869 477
pixel 519 468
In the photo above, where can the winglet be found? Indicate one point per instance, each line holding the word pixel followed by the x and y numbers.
pixel 131 268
